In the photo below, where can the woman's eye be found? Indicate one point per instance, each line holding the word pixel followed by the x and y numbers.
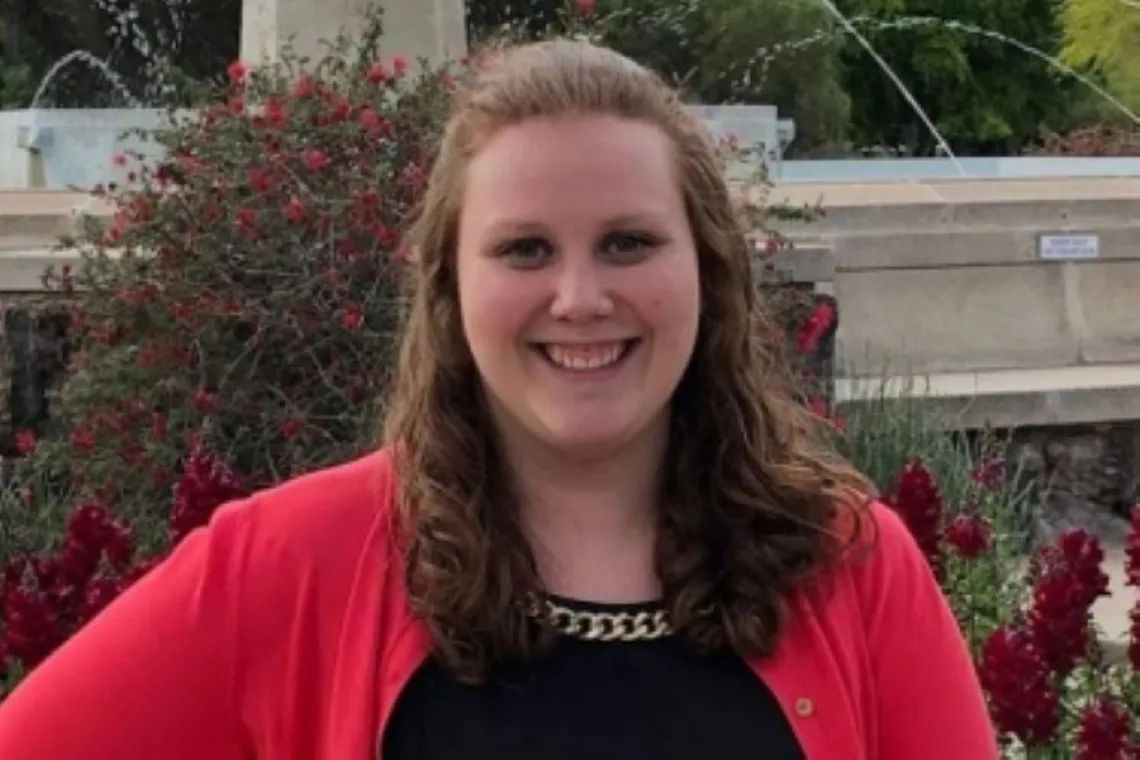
pixel 527 251
pixel 629 247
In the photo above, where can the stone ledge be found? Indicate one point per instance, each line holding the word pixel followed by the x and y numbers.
pixel 22 269
pixel 1081 395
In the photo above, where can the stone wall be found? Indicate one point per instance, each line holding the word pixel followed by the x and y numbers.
pixel 1081 476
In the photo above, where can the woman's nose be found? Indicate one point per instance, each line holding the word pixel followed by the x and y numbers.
pixel 581 292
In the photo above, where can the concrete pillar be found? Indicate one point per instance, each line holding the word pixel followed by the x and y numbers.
pixel 431 29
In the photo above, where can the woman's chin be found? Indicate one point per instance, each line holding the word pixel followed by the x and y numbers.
pixel 586 438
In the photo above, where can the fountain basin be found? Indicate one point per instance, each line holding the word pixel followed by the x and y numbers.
pixel 67 149
pixel 61 149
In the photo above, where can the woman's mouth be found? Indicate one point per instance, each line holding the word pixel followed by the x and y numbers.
pixel 587 357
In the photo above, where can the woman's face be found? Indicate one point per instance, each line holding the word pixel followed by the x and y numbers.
pixel 578 282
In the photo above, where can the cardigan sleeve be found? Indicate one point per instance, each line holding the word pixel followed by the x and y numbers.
pixel 152 676
pixel 929 702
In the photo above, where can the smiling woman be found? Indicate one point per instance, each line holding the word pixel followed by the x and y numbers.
pixel 601 526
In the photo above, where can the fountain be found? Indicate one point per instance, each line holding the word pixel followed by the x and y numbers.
pixel 61 148
pixel 913 22
pixel 82 56
pixel 902 88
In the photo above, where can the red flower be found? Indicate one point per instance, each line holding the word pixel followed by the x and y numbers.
pixel 989 473
pixel 400 65
pixel 247 219
pixel 237 72
pixel 25 442
pixel 304 87
pixel 82 439
pixel 969 534
pixel 918 502
pixel 1104 732
pixel 372 121
pixel 317 159
pixel 290 428
pixel 586 7
pixel 821 319
pixel 377 73
pixel 260 180
pixel 205 484
pixel 1069 579
pixel 295 210
pixel 1022 699
pixel 352 318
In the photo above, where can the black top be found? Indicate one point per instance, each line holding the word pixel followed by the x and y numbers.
pixel 595 700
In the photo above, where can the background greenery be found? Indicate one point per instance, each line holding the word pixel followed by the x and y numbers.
pixel 987 96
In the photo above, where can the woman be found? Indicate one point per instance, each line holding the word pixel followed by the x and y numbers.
pixel 602 528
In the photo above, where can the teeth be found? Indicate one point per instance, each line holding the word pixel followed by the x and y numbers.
pixel 583 358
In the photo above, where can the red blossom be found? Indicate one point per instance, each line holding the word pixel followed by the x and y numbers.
pixel 295 210
pixel 82 439
pixel 1017 679
pixel 917 500
pixel 205 484
pixel 1068 580
pixel 304 87
pixel 989 473
pixel 25 442
pixel 821 319
pixel 1105 732
pixel 237 72
pixel 352 318
pixel 969 534
pixel 317 159
pixel 378 73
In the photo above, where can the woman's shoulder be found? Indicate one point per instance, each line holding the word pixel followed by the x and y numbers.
pixel 340 499
pixel 884 568
pixel 323 519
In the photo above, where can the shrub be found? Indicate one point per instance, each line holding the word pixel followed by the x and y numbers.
pixel 235 321
pixel 1053 690
pixel 1094 141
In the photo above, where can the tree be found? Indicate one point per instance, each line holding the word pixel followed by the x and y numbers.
pixel 984 95
pixel 718 51
pixel 1104 35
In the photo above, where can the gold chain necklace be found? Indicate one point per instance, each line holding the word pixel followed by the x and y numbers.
pixel 591 625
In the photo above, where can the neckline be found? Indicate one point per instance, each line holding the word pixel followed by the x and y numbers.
pixel 605 608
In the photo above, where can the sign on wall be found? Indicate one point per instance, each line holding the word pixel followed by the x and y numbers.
pixel 1068 247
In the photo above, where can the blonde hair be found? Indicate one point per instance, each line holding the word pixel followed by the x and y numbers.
pixel 752 495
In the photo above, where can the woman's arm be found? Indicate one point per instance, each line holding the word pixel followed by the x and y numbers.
pixel 930 704
pixel 153 676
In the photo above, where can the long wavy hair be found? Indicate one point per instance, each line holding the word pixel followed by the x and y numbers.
pixel 753 497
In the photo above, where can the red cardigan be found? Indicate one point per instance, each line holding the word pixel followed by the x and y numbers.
pixel 281 632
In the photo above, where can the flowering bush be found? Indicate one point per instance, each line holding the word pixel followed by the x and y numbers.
pixel 1052 694
pixel 1053 689
pixel 234 324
